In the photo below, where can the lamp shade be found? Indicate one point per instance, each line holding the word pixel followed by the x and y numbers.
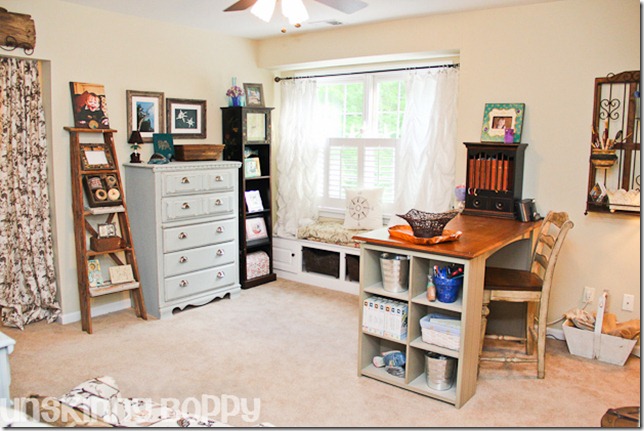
pixel 135 138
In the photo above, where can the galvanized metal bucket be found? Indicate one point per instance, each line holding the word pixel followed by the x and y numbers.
pixel 439 370
pixel 395 272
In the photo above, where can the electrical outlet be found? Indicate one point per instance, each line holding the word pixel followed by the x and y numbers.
pixel 627 302
pixel 589 294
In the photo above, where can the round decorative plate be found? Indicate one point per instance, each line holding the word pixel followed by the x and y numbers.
pixel 405 233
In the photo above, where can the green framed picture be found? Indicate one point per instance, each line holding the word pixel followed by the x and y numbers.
pixel 164 145
pixel 499 118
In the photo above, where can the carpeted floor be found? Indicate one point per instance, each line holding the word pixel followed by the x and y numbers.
pixel 294 347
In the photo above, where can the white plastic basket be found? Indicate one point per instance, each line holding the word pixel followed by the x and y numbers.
pixel 594 344
pixel 440 335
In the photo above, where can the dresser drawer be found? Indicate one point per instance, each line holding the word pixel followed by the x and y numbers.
pixel 182 183
pixel 199 281
pixel 220 181
pixel 181 262
pixel 199 235
pixel 221 203
pixel 182 207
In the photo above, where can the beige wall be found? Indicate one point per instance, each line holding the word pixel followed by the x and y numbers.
pixel 547 56
pixel 124 53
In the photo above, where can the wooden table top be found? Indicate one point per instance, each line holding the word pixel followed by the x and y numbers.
pixel 480 235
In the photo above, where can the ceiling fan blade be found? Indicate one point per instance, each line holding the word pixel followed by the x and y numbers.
pixel 240 5
pixel 346 6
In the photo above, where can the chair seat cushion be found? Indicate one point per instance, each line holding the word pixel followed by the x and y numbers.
pixel 512 279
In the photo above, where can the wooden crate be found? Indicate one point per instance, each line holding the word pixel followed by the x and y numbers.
pixel 198 152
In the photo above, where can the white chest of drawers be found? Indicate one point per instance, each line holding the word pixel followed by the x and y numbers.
pixel 184 222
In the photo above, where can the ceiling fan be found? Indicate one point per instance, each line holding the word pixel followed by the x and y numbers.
pixel 294 10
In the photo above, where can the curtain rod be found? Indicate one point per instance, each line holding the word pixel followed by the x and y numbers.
pixel 278 79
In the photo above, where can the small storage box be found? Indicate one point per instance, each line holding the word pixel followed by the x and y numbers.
pixel 321 261
pixel 257 264
pixel 198 152
pixel 104 244
pixel 446 335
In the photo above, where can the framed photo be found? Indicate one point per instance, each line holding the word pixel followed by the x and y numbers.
pixel 598 192
pixel 106 230
pixel 252 169
pixel 256 228
pixel 186 118
pixel 253 201
pixel 96 157
pixel 256 126
pixel 89 105
pixel 145 113
pixel 164 145
pixel 254 95
pixel 94 273
pixel 497 117
pixel 121 274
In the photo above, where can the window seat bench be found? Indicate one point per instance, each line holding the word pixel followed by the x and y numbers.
pixel 323 254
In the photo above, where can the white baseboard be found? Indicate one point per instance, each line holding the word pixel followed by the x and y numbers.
pixel 99 310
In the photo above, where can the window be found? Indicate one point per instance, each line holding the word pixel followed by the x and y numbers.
pixel 362 117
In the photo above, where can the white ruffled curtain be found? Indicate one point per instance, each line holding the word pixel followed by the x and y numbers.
pixel 425 156
pixel 27 278
pixel 297 156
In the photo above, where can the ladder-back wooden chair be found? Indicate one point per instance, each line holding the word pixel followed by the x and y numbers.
pixel 532 287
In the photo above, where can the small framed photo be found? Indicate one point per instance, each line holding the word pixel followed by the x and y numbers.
pixel 254 201
pixel 164 145
pixel 186 118
pixel 256 228
pixel 252 168
pixel 89 105
pixel 94 273
pixel 145 113
pixel 256 126
pixel 96 157
pixel 106 230
pixel 254 95
pixel 121 274
pixel 598 192
pixel 499 117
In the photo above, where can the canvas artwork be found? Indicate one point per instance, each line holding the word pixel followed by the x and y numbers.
pixel 89 105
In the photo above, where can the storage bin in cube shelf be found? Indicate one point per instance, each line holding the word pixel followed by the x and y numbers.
pixel 441 331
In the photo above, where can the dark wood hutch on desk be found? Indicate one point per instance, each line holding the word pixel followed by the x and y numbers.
pixel 481 238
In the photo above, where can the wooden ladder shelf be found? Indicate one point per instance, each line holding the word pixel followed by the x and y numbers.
pixel 106 201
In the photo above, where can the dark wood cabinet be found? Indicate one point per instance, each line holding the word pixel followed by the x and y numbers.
pixel 494 180
pixel 247 138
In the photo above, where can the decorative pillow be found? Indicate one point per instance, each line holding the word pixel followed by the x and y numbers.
pixel 364 209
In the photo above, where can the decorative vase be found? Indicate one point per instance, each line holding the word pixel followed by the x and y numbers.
pixel 602 159
pixel 236 101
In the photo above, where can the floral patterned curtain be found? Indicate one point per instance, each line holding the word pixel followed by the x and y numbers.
pixel 27 278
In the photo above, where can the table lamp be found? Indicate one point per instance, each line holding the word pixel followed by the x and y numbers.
pixel 135 142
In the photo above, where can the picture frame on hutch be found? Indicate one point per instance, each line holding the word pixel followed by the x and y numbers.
pixel 498 118
pixel 254 95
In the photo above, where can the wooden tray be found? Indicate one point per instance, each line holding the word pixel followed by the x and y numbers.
pixel 405 233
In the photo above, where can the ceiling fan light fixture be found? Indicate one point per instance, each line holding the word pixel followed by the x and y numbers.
pixel 294 11
pixel 263 9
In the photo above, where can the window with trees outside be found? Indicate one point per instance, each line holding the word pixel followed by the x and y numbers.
pixel 361 116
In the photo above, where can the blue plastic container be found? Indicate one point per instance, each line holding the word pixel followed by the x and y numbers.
pixel 447 289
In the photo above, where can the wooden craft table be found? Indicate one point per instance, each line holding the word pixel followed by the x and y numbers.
pixel 481 238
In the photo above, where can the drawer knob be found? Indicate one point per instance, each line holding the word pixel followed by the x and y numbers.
pixel 220 229
pixel 182 235
pixel 185 180
pixel 218 202
pixel 220 252
pixel 185 206
pixel 183 259
pixel 221 274
pixel 183 283
pixel 218 178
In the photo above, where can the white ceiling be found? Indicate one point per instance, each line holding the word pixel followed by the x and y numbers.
pixel 209 15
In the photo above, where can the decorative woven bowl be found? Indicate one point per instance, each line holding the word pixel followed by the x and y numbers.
pixel 427 225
